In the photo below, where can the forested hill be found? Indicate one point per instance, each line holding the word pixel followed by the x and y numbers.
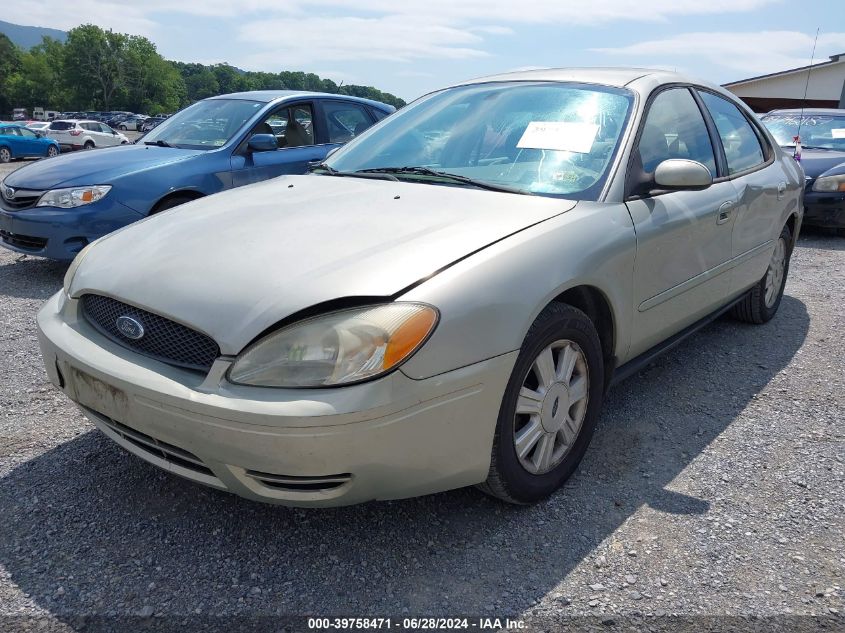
pixel 96 69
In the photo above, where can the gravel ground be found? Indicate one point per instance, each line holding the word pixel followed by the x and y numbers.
pixel 713 492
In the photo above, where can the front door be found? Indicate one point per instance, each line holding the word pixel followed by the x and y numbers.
pixel 683 237
pixel 297 146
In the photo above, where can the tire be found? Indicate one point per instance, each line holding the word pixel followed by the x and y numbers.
pixel 52 151
pixel 88 145
pixel 122 128
pixel 5 155
pixel 169 203
pixel 531 478
pixel 761 303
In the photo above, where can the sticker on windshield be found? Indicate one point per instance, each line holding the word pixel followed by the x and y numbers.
pixel 838 132
pixel 565 136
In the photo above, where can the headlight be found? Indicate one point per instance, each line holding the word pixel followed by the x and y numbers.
pixel 74 266
pixel 830 184
pixel 73 197
pixel 337 348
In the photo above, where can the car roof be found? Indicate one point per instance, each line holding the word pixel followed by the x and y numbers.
pixel 268 96
pixel 639 79
pixel 807 111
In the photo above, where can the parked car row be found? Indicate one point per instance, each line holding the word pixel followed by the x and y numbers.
pixel 443 301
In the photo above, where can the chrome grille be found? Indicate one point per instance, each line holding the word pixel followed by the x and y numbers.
pixel 161 338
pixel 17 199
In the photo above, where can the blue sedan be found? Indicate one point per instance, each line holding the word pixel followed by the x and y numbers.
pixel 54 209
pixel 16 141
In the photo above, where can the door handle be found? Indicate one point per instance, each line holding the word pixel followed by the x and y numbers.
pixel 724 213
pixel 781 190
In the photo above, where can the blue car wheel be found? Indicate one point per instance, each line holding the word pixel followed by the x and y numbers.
pixel 5 155
pixel 52 151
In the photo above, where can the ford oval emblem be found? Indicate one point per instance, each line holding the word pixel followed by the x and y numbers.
pixel 129 327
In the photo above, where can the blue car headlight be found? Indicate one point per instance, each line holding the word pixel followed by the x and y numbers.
pixel 73 196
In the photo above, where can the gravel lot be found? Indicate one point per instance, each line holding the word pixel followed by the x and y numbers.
pixel 715 486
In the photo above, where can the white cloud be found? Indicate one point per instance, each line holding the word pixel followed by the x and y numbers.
pixel 751 53
pixel 315 31
pixel 353 38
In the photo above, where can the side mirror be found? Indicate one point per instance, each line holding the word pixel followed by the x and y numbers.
pixel 681 174
pixel 262 143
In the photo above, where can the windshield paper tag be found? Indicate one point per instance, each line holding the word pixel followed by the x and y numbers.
pixel 564 136
pixel 838 132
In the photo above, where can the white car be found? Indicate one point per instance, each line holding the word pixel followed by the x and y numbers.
pixel 132 123
pixel 39 127
pixel 84 134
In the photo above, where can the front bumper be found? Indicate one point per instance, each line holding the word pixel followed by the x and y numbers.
pixel 824 209
pixel 390 438
pixel 61 233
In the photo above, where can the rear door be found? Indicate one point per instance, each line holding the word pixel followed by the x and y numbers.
pixel 683 237
pixel 343 120
pixel 760 186
pixel 298 145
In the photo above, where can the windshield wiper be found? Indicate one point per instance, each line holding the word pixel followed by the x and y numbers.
pixel 466 180
pixel 331 171
pixel 158 143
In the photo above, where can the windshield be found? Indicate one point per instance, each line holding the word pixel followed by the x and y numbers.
pixel 824 131
pixel 204 125
pixel 555 139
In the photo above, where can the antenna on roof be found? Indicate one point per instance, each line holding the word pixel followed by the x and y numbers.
pixel 797 139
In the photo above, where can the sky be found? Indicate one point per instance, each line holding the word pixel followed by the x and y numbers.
pixel 411 48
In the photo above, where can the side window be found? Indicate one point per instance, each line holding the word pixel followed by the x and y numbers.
pixel 345 121
pixel 88 126
pixel 292 126
pixel 675 128
pixel 378 114
pixel 27 133
pixel 742 147
pixel 300 130
pixel 105 128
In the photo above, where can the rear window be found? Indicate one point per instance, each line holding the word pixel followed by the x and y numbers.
pixel 62 125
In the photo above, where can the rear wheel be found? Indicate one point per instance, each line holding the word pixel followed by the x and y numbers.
pixel 122 128
pixel 52 151
pixel 88 145
pixel 5 155
pixel 763 300
pixel 550 407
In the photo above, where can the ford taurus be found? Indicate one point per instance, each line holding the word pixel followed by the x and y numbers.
pixel 443 303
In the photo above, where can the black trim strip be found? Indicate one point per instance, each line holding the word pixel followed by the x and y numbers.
pixel 640 362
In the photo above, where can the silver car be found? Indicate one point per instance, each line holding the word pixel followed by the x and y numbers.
pixel 443 303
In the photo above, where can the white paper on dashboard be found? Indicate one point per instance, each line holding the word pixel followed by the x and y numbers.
pixel 838 132
pixel 565 136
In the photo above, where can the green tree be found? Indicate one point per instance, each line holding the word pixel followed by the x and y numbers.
pixel 10 63
pixel 95 64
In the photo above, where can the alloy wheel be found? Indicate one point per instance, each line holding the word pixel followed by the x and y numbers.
pixel 775 272
pixel 551 406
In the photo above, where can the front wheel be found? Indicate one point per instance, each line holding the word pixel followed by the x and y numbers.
pixel 52 151
pixel 5 155
pixel 763 300
pixel 550 407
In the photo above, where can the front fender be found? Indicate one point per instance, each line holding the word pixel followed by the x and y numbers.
pixel 488 301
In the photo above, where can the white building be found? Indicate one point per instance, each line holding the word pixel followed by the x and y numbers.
pixel 826 87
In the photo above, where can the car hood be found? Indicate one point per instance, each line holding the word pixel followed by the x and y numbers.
pixel 817 161
pixel 234 264
pixel 96 167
